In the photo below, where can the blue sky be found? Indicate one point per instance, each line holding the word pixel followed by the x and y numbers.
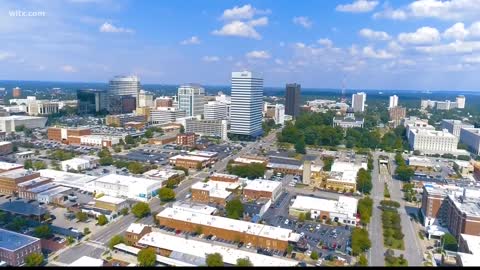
pixel 371 44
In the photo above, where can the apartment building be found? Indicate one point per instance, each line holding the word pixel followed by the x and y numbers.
pixel 15 247
pixel 454 126
pixel 189 162
pixel 396 115
pixel 186 139
pixel 471 138
pixel 432 141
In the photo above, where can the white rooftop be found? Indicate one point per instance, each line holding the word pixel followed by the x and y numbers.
pixel 126 180
pixel 473 243
pixel 75 180
pixel 136 228
pixel 4 143
pixel 216 189
pixel 344 205
pixel 230 224
pixel 20 117
pixel 247 160
pixel 76 161
pixel 87 261
pixel 200 249
pixel 5 166
pixel 194 158
pixel 203 153
pixel 163 174
pixel 194 207
pixel 262 185
pixel 110 199
pixel 468 259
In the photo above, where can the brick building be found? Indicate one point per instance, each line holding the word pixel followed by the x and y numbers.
pixel 214 192
pixel 14 247
pixel 221 177
pixel 256 189
pixel 186 139
pixel 189 162
pixel 111 203
pixel 10 180
pixel 67 135
pixel 135 232
pixel 165 139
pixel 258 235
pixel 7 166
pixel 397 114
pixel 6 148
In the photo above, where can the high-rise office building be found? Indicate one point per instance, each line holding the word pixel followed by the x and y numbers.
pixel 163 102
pixel 393 101
pixel 279 116
pixel 121 86
pixel 92 101
pixel 191 98
pixel 145 99
pixel 358 102
pixel 460 102
pixel 215 110
pixel 397 114
pixel 292 99
pixel 247 101
pixel 17 92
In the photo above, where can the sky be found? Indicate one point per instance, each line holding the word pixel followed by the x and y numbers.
pixel 362 44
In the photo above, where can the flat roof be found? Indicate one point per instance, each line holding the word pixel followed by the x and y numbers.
pixel 200 249
pixel 216 189
pixel 12 241
pixel 224 175
pixel 473 243
pixel 230 224
pixel 16 173
pixel 194 158
pixel 22 208
pixel 344 205
pixel 54 191
pixel 194 207
pixel 75 180
pixel 283 166
pixel 5 143
pixel 136 228
pixel 203 153
pixel 248 160
pixel 42 188
pixel 76 161
pixel 5 166
pixel 468 259
pixel 162 259
pixel 33 181
pixel 110 199
pixel 163 174
pixel 262 185
pixel 126 180
pixel 87 261
pixel 20 117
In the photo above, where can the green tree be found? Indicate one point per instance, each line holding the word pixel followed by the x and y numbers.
pixel 28 164
pixel 300 145
pixel 362 260
pixel 166 194
pixel 140 209
pixel 327 163
pixel 34 259
pixel 117 239
pixel 251 171
pixel 81 216
pixel 39 165
pixel 214 259
pixel 86 230
pixel 449 242
pixel 244 262
pixel 181 169
pixel 149 133
pixel 404 173
pixel 124 211
pixel 102 220
pixel 70 240
pixel 234 209
pixel 129 139
pixel 135 168
pixel 360 241
pixel 365 206
pixel 147 257
pixel 289 249
pixel 314 255
pixel 43 231
pixel 104 153
pixel 301 217
pixel 364 181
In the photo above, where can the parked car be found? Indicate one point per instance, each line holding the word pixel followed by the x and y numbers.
pixel 240 245
pixel 249 245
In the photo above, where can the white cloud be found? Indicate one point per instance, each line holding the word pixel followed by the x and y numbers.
pixel 278 61
pixel 325 42
pixel 370 52
pixel 353 50
pixel 439 9
pixel 259 22
pixel 6 55
pixel 239 29
pixel 358 6
pixel 374 35
pixel 456 47
pixel 393 46
pixel 471 59
pixel 68 69
pixel 281 44
pixel 423 35
pixel 303 21
pixel 110 28
pixel 192 40
pixel 457 31
pixel 211 59
pixel 258 55
pixel 244 12
pixel 474 29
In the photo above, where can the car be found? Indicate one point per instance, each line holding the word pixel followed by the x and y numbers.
pixel 335 236
pixel 249 245
pixel 201 236
pixel 302 234
pixel 213 238
pixel 286 221
pixel 240 245
pixel 317 227
pixel 178 232
pixel 311 229
pixel 308 253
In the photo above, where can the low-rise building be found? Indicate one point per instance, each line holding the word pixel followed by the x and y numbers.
pixel 165 115
pixel 213 192
pixel 64 134
pixel 120 120
pixel 343 176
pixel 86 261
pixel 164 175
pixel 9 180
pixel 7 166
pixel 42 107
pixel 256 189
pixel 28 190
pixel 15 247
pixel 9 123
pixel 6 148
pixel 121 186
pixel 135 232
pixel 78 164
pixel 186 139
pixel 348 121
pixel 54 195
pixel 343 210
pixel 99 140
pixel 258 235
pixel 432 142
pixel 211 128
pixel 165 139
pixel 465 168
pixel 111 203
pixel 189 162
pixel 222 177
pixel 420 162
pixel 246 160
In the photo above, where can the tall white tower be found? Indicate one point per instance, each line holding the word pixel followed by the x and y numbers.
pixel 358 102
pixel 393 101
pixel 247 101
pixel 191 99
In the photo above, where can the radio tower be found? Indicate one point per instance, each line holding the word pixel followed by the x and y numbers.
pixel 343 89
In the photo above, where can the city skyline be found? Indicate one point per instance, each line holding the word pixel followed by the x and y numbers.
pixel 424 45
